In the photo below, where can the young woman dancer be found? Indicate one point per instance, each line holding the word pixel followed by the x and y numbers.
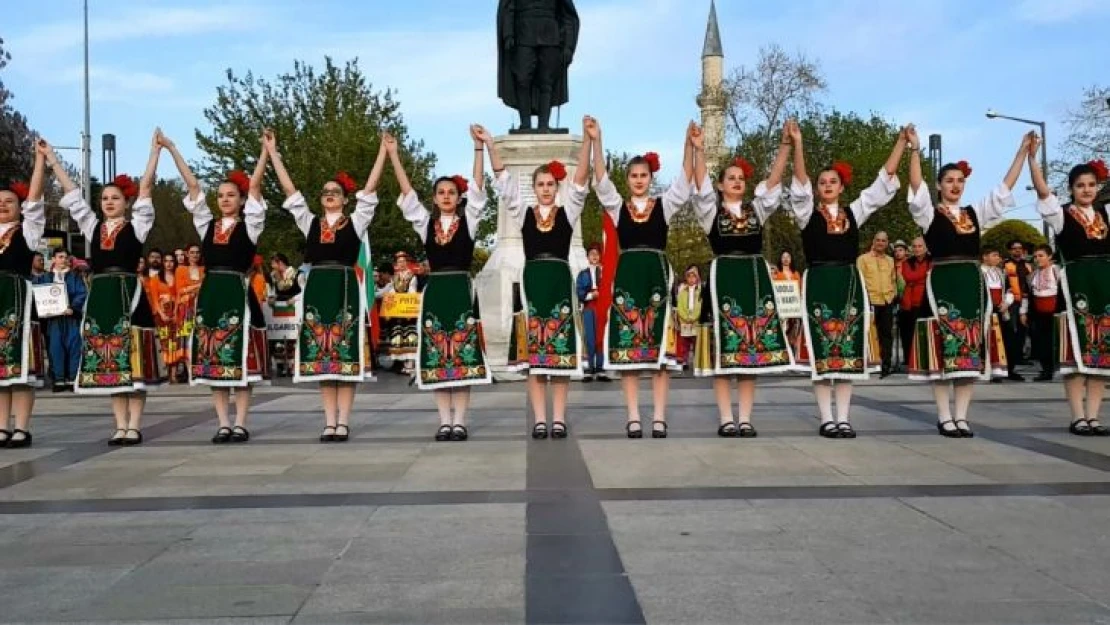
pixel 21 346
pixel 1083 242
pixel 949 346
pixel 120 355
pixel 227 347
pixel 450 358
pixel 332 347
pixel 554 348
pixel 640 316
pixel 747 338
pixel 838 318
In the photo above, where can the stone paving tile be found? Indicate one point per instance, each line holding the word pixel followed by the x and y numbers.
pixel 459 600
pixel 201 601
pixel 37 593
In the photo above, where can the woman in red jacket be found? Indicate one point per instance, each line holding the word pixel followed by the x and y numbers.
pixel 915 271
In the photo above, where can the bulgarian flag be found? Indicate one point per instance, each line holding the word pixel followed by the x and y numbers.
pixel 610 253
pixel 364 268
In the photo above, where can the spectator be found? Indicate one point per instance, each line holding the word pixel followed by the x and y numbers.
pixel 913 305
pixel 1017 271
pixel 286 288
pixel 688 313
pixel 1044 304
pixel 586 287
pixel 38 266
pixel 877 268
pixel 161 289
pixel 63 333
pixel 901 253
pixel 180 256
pixel 186 284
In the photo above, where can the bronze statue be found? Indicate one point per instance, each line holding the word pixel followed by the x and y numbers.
pixel 536 40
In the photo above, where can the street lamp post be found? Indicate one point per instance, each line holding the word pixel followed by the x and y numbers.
pixel 992 114
pixel 86 136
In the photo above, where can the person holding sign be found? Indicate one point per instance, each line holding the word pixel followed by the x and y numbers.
pixel 400 327
pixel 553 350
pixel 60 296
pixel 20 343
pixel 333 341
pixel 955 345
pixel 746 335
pixel 227 346
pixel 119 343
pixel 837 320
pixel 450 358
pixel 640 336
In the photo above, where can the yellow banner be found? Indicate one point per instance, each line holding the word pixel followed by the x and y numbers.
pixel 404 305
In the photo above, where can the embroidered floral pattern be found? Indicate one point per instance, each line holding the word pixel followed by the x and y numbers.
pixel 327 231
pixel 961 339
pixel 836 338
pixel 106 355
pixel 960 219
pixel 222 236
pixel 11 345
pixel 1094 331
pixel 443 237
pixel 451 352
pixel 751 340
pixel 636 342
pixel 108 233
pixel 1095 227
pixel 551 343
pixel 329 347
pixel 730 224
pixel 217 350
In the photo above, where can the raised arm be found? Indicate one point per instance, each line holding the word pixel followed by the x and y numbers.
pixel 1048 205
pixel 366 200
pixel 795 133
pixel 693 156
pixel 482 139
pixel 398 167
pixel 992 208
pixel 1035 171
pixel 919 200
pixel 72 200
pixel 255 192
pixel 476 196
pixel 768 194
pixel 507 185
pixel 56 167
pixel 38 174
pixel 593 130
pixel 582 170
pixel 886 184
pixel 413 211
pixel 146 183
pixel 34 208
pixel 895 158
pixel 192 185
pixel 1019 161
pixel 916 178
pixel 270 149
pixel 801 191
pixel 376 171
pixel 774 179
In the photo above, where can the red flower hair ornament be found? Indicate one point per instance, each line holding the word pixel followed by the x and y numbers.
pixel 558 170
pixel 744 166
pixel 964 168
pixel 344 180
pixel 844 170
pixel 460 183
pixel 21 190
pixel 1101 171
pixel 126 186
pixel 240 180
pixel 652 161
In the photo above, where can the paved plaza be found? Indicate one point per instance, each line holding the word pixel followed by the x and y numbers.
pixel 897 526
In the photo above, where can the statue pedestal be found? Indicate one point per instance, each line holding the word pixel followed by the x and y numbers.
pixel 499 279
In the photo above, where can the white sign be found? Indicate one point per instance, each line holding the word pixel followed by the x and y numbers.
pixel 51 300
pixel 788 299
pixel 281 322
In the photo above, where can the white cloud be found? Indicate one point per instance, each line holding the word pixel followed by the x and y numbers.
pixel 1043 12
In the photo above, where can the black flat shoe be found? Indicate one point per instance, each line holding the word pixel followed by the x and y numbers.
pixel 659 429
pixel 239 434
pixel 964 428
pixel 19 443
pixel 588 377
pixel 328 437
pixel 1080 427
pixel 443 433
pixel 223 435
pixel 558 429
pixel 633 429
pixel 846 430
pixel 117 438
pixel 747 430
pixel 539 431
pixel 342 433
pixel 1098 429
pixel 129 441
pixel 948 429
pixel 459 433
pixel 829 430
pixel 727 430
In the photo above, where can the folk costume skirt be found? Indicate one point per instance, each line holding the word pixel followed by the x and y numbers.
pixel 333 340
pixel 451 350
pixel 641 335
pixel 550 343
pixel 21 347
pixel 120 351
pixel 959 341
pixel 227 347
pixel 743 333
pixel 839 335
pixel 1085 326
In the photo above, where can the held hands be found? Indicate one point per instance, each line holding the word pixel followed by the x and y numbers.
pixel 1034 145
pixel 43 147
pixel 591 128
pixel 911 136
pixel 794 132
pixel 695 136
pixel 480 135
pixel 269 142
pixel 1027 140
pixel 163 140
pixel 389 142
pixel 155 140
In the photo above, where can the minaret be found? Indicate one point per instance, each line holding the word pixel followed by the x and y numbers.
pixel 712 100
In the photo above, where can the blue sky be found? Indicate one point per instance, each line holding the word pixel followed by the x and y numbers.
pixel 939 64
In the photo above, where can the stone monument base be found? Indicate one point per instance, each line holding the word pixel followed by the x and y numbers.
pixel 499 280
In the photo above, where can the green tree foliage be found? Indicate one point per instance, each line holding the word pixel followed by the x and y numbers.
pixel 326 121
pixel 999 235
pixel 591 213
pixel 173 225
pixel 16 138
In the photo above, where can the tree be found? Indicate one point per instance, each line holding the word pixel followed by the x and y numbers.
pixel 1000 235
pixel 591 213
pixel 1088 136
pixel 326 121
pixel 16 138
pixel 173 225
pixel 759 100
